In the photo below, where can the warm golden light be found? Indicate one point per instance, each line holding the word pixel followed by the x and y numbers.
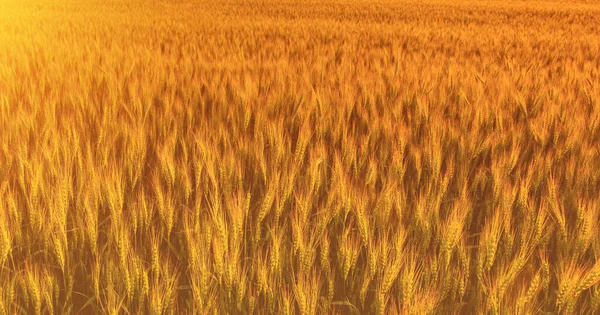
pixel 299 157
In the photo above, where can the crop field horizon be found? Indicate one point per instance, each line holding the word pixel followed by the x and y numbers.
pixel 299 157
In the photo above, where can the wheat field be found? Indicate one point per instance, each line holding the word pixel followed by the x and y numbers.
pixel 299 157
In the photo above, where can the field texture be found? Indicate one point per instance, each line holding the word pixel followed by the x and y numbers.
pixel 296 157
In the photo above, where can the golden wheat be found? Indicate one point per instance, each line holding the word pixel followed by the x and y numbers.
pixel 269 157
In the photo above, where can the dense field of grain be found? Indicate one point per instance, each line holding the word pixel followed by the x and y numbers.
pixel 296 157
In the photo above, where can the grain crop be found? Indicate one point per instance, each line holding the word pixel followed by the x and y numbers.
pixel 299 157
